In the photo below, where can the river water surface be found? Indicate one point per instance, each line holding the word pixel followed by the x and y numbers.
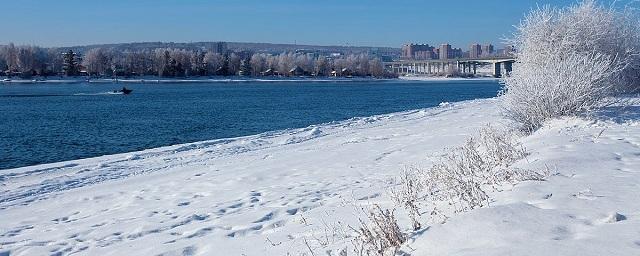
pixel 44 123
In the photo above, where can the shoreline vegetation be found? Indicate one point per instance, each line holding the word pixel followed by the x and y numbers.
pixel 231 79
pixel 27 62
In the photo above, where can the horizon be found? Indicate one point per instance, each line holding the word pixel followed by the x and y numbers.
pixel 283 22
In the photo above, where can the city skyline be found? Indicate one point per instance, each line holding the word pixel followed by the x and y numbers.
pixel 283 22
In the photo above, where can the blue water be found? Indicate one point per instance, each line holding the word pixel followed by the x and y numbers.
pixel 47 123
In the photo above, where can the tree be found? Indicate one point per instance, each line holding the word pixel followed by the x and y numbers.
pixel 70 64
pixel 40 60
pixel 286 61
pixel 55 62
pixel 376 67
pixel 213 61
pixel 3 62
pixel 25 61
pixel 198 65
pixel 11 57
pixel 234 64
pixel 321 66
pixel 258 63
pixel 166 68
pixel 96 61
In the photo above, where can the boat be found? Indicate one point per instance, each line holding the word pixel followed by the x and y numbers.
pixel 124 91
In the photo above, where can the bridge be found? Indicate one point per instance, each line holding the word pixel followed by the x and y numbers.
pixel 500 65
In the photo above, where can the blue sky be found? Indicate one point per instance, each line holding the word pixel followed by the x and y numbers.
pixel 328 22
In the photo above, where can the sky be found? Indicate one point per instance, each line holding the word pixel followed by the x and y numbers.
pixel 328 22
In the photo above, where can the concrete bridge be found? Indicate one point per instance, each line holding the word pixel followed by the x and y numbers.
pixel 500 65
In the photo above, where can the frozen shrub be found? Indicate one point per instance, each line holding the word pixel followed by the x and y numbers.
pixel 570 61
pixel 459 180
pixel 379 235
pixel 407 194
pixel 459 175
pixel 514 175
pixel 500 147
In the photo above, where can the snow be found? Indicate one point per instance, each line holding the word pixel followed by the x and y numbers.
pixel 156 80
pixel 588 207
pixel 273 193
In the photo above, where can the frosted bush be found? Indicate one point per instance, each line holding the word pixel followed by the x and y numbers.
pixel 570 61
pixel 460 180
pixel 407 194
pixel 457 178
pixel 379 234
pixel 500 147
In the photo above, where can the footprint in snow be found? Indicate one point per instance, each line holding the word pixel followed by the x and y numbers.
pixel 613 218
pixel 586 195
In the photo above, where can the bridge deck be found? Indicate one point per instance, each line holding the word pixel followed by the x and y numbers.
pixel 467 60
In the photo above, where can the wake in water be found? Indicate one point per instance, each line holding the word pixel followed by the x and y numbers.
pixel 97 94
pixel 31 95
pixel 59 95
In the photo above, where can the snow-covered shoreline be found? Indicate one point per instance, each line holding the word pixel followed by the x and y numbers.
pixel 155 80
pixel 271 193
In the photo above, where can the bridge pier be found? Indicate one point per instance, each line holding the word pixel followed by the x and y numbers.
pixel 497 69
pixel 508 67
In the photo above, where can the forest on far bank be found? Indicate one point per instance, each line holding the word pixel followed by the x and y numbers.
pixel 30 61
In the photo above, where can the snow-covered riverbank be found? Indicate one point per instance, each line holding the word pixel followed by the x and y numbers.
pixel 284 192
pixel 156 80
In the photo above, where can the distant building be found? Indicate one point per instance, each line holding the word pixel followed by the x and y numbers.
pixel 456 53
pixel 417 52
pixel 475 51
pixel 487 50
pixel 446 52
pixel 268 72
pixel 346 72
pixel 297 71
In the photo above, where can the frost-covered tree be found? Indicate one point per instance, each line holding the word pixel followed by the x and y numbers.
pixel 198 65
pixel 172 62
pixel 376 67
pixel 570 61
pixel 286 62
pixel 322 66
pixel 3 62
pixel 213 61
pixel 234 63
pixel 304 61
pixel 258 63
pixel 96 61
pixel 25 59
pixel 54 61
pixel 11 57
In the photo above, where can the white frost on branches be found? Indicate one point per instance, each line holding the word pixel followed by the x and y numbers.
pixel 570 61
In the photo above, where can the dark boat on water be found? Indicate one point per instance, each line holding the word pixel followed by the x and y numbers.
pixel 124 90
